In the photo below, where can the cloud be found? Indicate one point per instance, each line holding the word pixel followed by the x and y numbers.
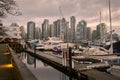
pixel 38 10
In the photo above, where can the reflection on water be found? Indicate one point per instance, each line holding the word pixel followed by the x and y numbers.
pixel 44 71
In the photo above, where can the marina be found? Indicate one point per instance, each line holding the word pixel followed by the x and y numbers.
pixel 59 40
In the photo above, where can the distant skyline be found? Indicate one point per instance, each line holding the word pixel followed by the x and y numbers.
pixel 89 10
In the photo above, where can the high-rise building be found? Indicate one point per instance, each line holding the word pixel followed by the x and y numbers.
pixel 67 39
pixel 89 34
pixel 31 30
pixel 94 35
pixel 81 30
pixel 101 30
pixel 40 33
pixel 57 26
pixel 37 33
pixel 63 29
pixel 45 28
pixel 51 30
pixel 48 31
pixel 73 29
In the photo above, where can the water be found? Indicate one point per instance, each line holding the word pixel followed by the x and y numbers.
pixel 44 71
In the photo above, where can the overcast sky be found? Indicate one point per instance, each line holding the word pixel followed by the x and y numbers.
pixel 89 10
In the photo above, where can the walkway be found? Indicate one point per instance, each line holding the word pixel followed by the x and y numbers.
pixel 6 67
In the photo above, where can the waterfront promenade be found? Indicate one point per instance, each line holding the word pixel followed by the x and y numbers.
pixel 11 67
pixel 6 68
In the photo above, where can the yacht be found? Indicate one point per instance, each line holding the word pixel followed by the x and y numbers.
pixel 97 51
pixel 53 42
pixel 39 46
pixel 57 49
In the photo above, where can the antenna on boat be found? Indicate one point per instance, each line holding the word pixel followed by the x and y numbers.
pixel 111 47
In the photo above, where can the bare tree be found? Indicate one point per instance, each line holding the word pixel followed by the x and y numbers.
pixel 8 7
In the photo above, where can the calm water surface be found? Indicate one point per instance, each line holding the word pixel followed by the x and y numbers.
pixel 44 71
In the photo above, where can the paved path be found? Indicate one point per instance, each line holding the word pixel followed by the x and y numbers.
pixel 6 68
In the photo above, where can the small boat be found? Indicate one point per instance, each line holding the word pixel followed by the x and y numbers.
pixel 57 49
pixel 56 42
pixel 39 46
pixel 51 43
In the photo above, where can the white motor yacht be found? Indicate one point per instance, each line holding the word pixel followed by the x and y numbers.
pixel 56 42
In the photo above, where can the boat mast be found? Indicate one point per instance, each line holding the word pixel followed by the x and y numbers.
pixel 111 48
